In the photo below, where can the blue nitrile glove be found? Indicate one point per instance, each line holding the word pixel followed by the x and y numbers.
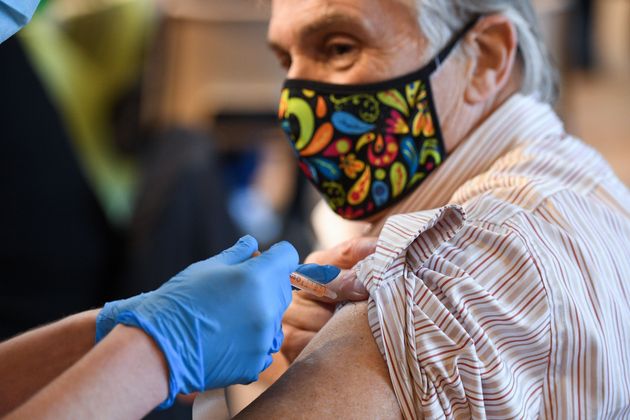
pixel 323 274
pixel 106 318
pixel 14 14
pixel 218 321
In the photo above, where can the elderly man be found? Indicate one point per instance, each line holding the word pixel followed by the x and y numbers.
pixel 510 297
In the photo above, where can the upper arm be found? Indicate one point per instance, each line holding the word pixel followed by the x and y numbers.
pixel 341 373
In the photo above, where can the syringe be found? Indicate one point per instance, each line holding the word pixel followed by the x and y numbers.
pixel 309 285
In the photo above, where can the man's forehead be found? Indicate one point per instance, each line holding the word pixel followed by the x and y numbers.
pixel 291 18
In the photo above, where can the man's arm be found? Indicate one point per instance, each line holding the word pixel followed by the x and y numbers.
pixel 30 361
pixel 340 374
pixel 124 377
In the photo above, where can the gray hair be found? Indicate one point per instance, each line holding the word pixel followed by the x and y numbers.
pixel 441 19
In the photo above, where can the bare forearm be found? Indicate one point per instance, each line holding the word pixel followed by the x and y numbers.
pixel 340 374
pixel 30 361
pixel 124 377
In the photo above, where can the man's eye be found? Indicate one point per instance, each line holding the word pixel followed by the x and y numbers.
pixel 285 61
pixel 340 49
pixel 341 52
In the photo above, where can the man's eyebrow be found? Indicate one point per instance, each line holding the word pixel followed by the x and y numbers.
pixel 324 22
pixel 274 46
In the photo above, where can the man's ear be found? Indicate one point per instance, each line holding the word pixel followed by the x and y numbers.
pixel 492 45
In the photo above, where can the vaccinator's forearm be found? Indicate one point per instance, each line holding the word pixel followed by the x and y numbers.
pixel 30 361
pixel 124 377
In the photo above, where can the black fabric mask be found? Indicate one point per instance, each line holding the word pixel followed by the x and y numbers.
pixel 366 147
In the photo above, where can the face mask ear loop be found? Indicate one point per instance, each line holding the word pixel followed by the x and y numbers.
pixel 446 51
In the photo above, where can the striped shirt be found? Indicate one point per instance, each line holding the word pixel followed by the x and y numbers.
pixel 511 298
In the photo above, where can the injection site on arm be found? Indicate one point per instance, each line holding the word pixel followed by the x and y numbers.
pixel 340 374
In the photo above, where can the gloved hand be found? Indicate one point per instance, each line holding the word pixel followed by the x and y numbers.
pixel 106 319
pixel 218 321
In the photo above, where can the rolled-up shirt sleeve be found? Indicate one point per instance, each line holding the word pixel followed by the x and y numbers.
pixel 460 314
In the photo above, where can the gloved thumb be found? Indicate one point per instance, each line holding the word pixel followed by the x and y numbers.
pixel 239 252
pixel 282 256
pixel 323 274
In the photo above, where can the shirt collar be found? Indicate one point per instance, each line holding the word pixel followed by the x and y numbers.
pixel 519 119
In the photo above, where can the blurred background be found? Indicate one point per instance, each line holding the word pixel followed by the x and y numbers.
pixel 139 136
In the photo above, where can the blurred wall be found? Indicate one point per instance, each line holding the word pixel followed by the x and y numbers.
pixel 597 101
pixel 214 58
pixel 594 66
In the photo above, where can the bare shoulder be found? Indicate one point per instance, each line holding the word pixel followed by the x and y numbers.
pixel 341 373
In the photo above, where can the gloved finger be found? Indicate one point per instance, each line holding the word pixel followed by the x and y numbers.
pixel 277 341
pixel 239 252
pixel 323 274
pixel 273 268
pixel 281 259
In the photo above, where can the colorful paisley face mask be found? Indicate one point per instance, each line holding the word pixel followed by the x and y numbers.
pixel 365 147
